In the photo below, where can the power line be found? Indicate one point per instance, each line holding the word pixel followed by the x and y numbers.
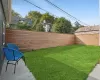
pixel 65 12
pixel 56 7
pixel 39 7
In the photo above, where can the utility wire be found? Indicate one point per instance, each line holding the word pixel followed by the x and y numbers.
pixel 65 12
pixel 39 7
pixel 54 6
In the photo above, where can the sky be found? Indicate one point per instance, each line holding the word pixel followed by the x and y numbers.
pixel 85 10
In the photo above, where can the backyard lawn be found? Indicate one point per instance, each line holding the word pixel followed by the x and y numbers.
pixel 63 63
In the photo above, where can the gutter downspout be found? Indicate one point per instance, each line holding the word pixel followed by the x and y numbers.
pixel 99 27
pixel 5 19
pixel 99 36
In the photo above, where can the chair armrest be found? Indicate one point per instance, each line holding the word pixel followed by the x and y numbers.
pixel 14 46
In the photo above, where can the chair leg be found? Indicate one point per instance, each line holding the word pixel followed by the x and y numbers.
pixel 17 62
pixel 7 66
pixel 24 60
pixel 15 68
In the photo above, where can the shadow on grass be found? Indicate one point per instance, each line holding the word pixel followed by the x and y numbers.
pixel 51 69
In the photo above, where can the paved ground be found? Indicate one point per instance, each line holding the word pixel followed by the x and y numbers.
pixel 22 72
pixel 95 74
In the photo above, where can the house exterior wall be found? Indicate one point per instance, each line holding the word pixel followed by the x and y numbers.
pixel 2 21
pixel 28 40
pixel 5 14
pixel 7 9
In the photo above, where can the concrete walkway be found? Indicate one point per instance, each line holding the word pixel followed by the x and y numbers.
pixel 95 74
pixel 22 72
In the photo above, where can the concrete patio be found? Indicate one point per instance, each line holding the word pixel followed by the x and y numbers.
pixel 22 72
pixel 95 74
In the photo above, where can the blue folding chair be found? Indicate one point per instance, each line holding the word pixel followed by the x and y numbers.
pixel 12 55
pixel 14 46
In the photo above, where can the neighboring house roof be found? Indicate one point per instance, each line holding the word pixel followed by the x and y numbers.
pixel 16 19
pixel 88 29
pixel 29 21
pixel 7 9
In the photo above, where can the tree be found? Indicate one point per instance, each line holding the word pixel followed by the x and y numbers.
pixel 49 18
pixel 74 29
pixel 35 16
pixel 39 27
pixel 21 25
pixel 77 24
pixel 61 25
pixel 15 13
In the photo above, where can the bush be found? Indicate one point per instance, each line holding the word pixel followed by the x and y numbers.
pixel 61 25
pixel 39 27
pixel 23 26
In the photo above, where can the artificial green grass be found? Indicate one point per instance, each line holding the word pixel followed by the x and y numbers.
pixel 63 63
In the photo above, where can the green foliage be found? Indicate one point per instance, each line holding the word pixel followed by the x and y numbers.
pixel 21 25
pixel 74 28
pixel 49 18
pixel 61 25
pixel 15 13
pixel 39 27
pixel 63 63
pixel 77 24
pixel 35 16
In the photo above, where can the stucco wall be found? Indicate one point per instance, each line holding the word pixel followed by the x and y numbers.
pixel 36 40
pixel 87 38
